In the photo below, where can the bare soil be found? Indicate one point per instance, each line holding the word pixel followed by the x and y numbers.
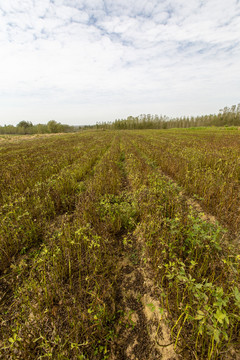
pixel 20 138
pixel 142 330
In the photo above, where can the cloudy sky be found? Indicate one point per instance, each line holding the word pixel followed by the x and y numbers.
pixel 83 61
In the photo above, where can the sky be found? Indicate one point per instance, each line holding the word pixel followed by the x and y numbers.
pixel 85 61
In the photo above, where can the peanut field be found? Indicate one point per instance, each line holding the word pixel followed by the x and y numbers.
pixel 120 245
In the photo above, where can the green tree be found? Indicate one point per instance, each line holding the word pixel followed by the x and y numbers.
pixel 24 124
pixel 53 126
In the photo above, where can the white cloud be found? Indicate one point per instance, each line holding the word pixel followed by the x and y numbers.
pixel 68 58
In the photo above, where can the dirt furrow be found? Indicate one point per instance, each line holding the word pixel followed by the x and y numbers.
pixel 142 330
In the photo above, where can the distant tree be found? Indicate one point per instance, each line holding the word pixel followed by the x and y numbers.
pixel 24 124
pixel 41 129
pixel 24 127
pixel 53 126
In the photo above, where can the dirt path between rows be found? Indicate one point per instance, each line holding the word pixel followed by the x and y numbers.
pixel 142 330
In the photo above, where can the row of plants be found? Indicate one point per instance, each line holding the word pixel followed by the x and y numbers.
pixel 25 162
pixel 64 304
pixel 206 165
pixel 194 264
pixel 24 217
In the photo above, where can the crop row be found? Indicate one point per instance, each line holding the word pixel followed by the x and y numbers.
pixel 27 162
pixel 206 165
pixel 196 268
pixel 24 217
pixel 63 307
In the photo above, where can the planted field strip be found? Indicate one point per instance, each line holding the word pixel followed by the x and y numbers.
pixel 125 268
pixel 69 286
pixel 26 163
pixel 207 165
pixel 197 270
pixel 24 217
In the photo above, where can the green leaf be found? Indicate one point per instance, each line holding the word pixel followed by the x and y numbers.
pixel 200 315
pixel 236 293
pixel 151 306
pixel 216 334
pixel 220 316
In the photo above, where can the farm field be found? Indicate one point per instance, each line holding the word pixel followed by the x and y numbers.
pixel 120 245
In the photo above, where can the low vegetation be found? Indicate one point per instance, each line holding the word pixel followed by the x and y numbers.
pixel 74 206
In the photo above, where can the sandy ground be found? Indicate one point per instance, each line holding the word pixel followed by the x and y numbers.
pixel 142 330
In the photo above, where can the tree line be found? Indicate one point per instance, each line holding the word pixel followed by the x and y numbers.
pixel 26 127
pixel 228 116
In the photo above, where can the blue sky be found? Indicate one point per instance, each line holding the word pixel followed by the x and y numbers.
pixel 83 61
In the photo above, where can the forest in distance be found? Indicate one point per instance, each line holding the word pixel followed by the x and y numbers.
pixel 120 245
pixel 27 128
pixel 228 117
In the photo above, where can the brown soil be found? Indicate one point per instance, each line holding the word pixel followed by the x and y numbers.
pixel 197 207
pixel 19 138
pixel 192 202
pixel 142 330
